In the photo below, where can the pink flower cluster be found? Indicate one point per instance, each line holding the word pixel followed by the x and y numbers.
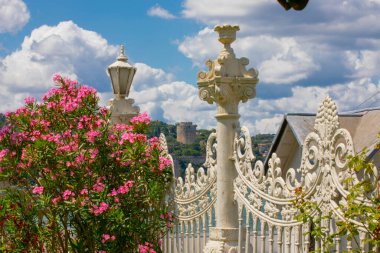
pixel 3 153
pixel 92 134
pixel 38 190
pixel 146 248
pixel 67 194
pixel 98 186
pixel 169 219
pixel 123 189
pixel 97 210
pixel 141 118
pixel 108 238
pixel 164 162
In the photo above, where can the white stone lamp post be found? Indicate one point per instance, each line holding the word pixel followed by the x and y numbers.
pixel 226 83
pixel 121 74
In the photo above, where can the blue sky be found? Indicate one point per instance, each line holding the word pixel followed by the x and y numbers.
pixel 330 48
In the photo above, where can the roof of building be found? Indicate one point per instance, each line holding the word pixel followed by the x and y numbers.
pixel 363 125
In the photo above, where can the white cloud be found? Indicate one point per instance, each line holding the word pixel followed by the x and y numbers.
pixel 288 46
pixel 169 100
pixel 330 17
pixel 158 11
pixel 264 116
pixel 215 10
pixel 66 49
pixel 201 47
pixel 84 55
pixel 147 76
pixel 364 63
pixel 14 14
pixel 279 60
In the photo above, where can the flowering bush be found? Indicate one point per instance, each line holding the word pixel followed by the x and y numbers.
pixel 78 183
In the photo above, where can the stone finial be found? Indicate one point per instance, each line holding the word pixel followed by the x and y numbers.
pixel 122 57
pixel 326 120
pixel 227 81
pixel 227 35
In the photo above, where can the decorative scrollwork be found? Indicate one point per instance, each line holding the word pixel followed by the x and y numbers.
pixel 269 192
pixel 196 194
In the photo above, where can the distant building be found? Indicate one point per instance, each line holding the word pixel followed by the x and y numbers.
pixel 186 132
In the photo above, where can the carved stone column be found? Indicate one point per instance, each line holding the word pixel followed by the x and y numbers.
pixel 226 83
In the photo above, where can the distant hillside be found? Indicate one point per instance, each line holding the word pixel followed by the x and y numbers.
pixel 261 144
pixel 193 153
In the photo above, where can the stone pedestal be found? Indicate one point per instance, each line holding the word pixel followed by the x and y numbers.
pixel 226 83
pixel 222 240
pixel 123 110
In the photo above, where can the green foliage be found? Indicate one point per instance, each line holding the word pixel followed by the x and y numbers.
pixel 263 140
pixel 78 183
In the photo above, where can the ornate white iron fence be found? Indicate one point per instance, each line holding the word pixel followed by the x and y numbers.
pixel 195 198
pixel 263 216
pixel 267 198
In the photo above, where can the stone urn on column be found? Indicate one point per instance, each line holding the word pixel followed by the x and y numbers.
pixel 121 74
pixel 226 83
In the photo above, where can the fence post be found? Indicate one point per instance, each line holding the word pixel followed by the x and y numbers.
pixel 226 83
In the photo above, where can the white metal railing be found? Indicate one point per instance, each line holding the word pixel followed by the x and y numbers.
pixel 265 197
pixel 195 198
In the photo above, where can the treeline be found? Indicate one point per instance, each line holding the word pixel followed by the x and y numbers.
pixel 261 143
pixel 198 148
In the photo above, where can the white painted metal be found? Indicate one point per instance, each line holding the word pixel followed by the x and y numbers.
pixel 264 196
pixel 194 200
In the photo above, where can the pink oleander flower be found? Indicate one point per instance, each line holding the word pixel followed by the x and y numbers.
pixel 154 143
pixel 146 248
pixel 97 210
pixel 107 237
pixel 29 100
pixel 67 193
pixel 3 153
pixel 56 200
pixel 141 118
pixel 57 78
pixel 98 186
pixel 91 135
pixel 127 136
pixel 125 188
pixel 113 192
pixel 164 162
pixel 38 190
pixel 84 192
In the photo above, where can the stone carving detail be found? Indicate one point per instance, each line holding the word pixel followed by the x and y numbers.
pixel 268 193
pixel 227 81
